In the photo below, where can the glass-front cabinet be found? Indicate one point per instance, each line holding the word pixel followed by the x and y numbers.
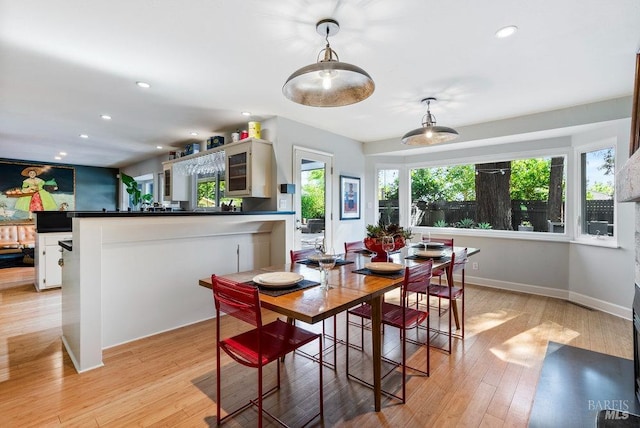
pixel 248 168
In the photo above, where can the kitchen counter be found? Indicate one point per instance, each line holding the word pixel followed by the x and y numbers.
pixel 129 275
pixel 107 214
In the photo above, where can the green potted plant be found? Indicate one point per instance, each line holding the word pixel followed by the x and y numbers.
pixel 525 226
pixel 374 236
pixel 134 191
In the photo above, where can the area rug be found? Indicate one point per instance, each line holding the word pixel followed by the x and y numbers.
pixel 576 384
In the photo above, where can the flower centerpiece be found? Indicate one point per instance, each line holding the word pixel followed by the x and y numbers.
pixel 373 241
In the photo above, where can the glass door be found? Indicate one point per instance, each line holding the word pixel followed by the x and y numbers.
pixel 313 172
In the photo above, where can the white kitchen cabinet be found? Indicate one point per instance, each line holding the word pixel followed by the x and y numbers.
pixel 248 168
pixel 176 186
pixel 47 253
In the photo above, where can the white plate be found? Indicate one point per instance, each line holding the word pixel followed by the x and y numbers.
pixel 277 279
pixel 430 254
pixel 384 267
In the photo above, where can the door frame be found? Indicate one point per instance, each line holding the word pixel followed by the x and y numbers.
pixel 300 153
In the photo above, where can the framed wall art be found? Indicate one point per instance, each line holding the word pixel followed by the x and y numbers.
pixel 350 198
pixel 25 188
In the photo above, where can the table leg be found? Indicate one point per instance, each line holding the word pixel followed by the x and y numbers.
pixel 453 303
pixel 454 308
pixel 376 339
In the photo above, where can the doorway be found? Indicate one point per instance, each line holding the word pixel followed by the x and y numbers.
pixel 313 175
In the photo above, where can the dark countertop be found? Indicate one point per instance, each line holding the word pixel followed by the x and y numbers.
pixel 107 214
pixel 67 244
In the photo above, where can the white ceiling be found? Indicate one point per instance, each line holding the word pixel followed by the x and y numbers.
pixel 63 63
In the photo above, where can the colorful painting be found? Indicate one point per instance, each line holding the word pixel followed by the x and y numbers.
pixel 26 188
pixel 350 205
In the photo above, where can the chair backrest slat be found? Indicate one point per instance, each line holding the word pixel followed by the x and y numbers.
pixel 446 241
pixel 418 275
pixel 459 260
pixel 354 246
pixel 301 254
pixel 236 299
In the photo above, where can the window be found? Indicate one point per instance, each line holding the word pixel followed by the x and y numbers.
pixel 388 196
pixel 210 190
pixel 597 184
pixel 519 194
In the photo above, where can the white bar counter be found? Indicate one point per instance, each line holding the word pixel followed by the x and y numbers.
pixel 130 275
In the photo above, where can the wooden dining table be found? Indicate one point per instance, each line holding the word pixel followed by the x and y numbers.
pixel 348 289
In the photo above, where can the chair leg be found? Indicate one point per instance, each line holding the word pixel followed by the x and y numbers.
pixel 321 390
pixel 218 406
pixel 428 346
pixel 260 393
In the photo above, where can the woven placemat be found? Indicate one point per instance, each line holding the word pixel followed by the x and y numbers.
pixel 392 275
pixel 305 283
pixel 308 262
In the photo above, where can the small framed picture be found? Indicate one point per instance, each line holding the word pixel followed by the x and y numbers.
pixel 350 198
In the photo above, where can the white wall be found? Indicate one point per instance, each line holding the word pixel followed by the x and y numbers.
pixel 607 274
pixel 348 160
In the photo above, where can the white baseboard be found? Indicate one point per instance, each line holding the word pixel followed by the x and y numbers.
pixel 571 296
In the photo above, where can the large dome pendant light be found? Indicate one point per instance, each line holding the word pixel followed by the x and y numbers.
pixel 429 134
pixel 328 82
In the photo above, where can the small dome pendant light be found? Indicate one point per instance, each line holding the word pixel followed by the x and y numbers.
pixel 429 134
pixel 328 82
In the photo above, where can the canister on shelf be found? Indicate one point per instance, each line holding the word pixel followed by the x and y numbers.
pixel 244 134
pixel 254 129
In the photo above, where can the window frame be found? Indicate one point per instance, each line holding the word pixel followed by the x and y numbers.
pixel 566 151
pixel 579 236
pixel 402 195
pixel 219 198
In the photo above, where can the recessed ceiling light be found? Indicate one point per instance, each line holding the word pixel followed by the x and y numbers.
pixel 158 147
pixel 143 85
pixel 62 153
pixel 246 113
pixel 193 133
pixel 83 136
pixel 57 158
pixel 506 31
pixel 105 117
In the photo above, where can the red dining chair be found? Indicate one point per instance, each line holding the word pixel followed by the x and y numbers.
pixel 257 347
pixel 448 242
pixel 402 317
pixel 301 254
pixel 439 273
pixel 297 255
pixel 452 292
pixel 353 246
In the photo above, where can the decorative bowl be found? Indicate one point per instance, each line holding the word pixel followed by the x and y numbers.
pixel 375 245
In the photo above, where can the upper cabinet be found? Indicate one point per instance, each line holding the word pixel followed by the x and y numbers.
pixel 176 186
pixel 248 168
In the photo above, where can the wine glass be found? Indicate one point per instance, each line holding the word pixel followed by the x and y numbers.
pixel 387 245
pixel 425 238
pixel 326 261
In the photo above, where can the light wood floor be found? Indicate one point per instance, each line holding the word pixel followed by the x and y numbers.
pixel 169 380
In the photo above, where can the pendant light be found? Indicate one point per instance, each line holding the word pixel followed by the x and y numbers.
pixel 328 82
pixel 429 134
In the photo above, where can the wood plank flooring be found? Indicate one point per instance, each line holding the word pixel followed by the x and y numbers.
pixel 489 380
